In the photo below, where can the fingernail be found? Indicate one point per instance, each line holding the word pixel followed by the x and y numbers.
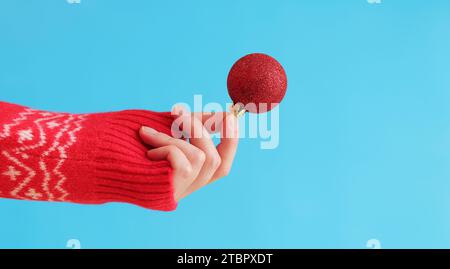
pixel 148 130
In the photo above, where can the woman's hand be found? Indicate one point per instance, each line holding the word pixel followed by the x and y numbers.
pixel 198 162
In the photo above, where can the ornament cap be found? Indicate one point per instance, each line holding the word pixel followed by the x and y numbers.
pixel 238 109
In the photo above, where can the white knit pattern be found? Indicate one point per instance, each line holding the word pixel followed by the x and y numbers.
pixel 42 141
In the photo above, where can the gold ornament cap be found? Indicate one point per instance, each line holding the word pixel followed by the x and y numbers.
pixel 238 109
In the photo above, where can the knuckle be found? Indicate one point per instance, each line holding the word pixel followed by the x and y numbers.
pixel 214 160
pixel 185 171
pixel 199 157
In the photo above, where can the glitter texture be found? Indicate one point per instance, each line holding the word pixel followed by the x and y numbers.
pixel 257 78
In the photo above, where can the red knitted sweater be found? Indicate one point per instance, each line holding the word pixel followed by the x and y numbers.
pixel 82 158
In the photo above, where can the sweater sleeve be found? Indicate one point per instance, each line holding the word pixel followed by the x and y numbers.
pixel 82 158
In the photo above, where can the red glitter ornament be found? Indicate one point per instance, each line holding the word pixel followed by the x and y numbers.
pixel 258 82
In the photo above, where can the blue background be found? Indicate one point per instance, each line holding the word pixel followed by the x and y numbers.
pixel 365 126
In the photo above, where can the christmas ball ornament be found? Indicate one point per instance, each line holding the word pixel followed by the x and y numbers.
pixel 256 83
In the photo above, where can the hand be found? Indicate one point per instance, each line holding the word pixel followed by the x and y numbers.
pixel 198 162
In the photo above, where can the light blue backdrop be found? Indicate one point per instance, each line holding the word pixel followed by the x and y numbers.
pixel 365 126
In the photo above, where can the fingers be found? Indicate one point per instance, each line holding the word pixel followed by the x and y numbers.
pixel 200 162
pixel 227 125
pixel 200 138
pixel 156 139
pixel 192 158
pixel 228 146
pixel 181 166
